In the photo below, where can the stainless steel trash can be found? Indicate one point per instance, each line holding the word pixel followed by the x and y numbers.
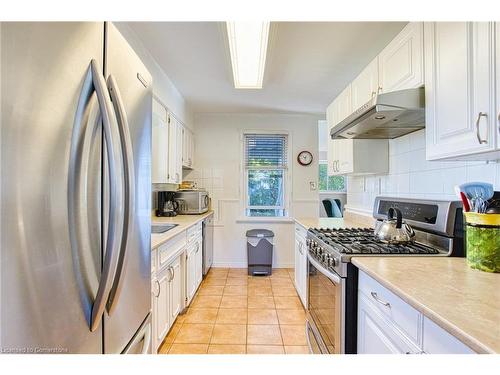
pixel 260 244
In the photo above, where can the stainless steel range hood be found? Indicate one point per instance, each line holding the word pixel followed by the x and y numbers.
pixel 385 116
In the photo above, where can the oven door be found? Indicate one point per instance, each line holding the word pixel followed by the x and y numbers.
pixel 326 305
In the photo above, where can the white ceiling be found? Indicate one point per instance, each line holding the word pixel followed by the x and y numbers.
pixel 308 63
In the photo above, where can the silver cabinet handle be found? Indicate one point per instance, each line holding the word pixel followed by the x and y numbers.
pixel 129 188
pixel 159 288
pixel 481 141
pixel 300 248
pixel 376 298
pixel 115 195
pixel 171 272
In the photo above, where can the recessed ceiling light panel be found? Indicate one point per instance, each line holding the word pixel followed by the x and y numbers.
pixel 248 47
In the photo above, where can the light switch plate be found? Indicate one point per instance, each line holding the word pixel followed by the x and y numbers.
pixel 312 185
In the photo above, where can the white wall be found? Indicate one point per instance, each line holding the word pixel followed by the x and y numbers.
pixel 218 155
pixel 410 175
pixel 163 87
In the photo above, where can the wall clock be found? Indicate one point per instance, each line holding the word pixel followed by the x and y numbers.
pixel 305 158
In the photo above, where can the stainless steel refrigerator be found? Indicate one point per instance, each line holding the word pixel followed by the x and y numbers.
pixel 75 190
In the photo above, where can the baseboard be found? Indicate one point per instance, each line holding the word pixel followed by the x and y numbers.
pixel 245 265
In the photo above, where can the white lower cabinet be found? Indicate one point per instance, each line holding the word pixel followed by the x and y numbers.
pixel 194 272
pixel 387 324
pixel 438 341
pixel 376 335
pixel 166 299
pixel 300 271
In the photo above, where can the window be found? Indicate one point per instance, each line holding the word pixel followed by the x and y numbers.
pixel 265 162
pixel 329 183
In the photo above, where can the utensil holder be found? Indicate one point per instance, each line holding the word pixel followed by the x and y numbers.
pixel 482 243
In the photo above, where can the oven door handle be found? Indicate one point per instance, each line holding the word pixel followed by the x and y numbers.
pixel 331 275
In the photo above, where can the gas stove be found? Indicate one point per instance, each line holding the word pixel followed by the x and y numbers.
pixel 437 225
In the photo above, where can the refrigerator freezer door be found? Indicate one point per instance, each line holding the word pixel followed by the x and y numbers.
pixel 130 297
pixel 141 343
pixel 48 286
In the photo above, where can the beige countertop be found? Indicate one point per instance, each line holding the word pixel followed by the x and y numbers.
pixel 463 301
pixel 183 221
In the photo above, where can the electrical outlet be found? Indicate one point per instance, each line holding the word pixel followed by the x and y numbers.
pixel 312 185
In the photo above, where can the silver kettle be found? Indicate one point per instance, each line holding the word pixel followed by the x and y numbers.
pixel 394 230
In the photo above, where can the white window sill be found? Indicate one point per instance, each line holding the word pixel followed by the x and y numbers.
pixel 256 219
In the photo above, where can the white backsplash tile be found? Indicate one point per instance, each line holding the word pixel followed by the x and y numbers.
pixel 417 140
pixel 411 175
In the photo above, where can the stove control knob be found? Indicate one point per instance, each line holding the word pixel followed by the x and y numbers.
pixel 332 262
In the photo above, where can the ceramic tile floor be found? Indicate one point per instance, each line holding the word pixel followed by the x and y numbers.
pixel 233 313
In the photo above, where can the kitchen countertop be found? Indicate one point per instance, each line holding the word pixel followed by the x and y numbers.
pixel 183 221
pixel 462 301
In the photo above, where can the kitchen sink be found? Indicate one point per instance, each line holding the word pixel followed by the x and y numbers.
pixel 162 228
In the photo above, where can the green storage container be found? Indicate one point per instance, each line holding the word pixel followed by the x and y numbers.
pixel 482 232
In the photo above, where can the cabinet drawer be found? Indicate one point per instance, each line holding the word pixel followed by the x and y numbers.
pixel 438 341
pixel 193 232
pixel 169 248
pixel 391 306
pixel 377 335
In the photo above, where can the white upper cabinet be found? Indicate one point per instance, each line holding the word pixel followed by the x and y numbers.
pixel 172 147
pixel 401 62
pixel 187 148
pixel 365 86
pixel 174 150
pixel 159 147
pixel 353 156
pixel 460 113
pixel 497 78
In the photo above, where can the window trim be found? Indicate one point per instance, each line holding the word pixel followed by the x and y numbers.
pixel 287 183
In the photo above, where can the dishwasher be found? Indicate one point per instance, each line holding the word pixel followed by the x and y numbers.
pixel 208 244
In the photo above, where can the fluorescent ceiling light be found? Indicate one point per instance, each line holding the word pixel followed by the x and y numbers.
pixel 248 47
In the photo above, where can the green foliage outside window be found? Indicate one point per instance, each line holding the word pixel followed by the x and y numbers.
pixel 330 183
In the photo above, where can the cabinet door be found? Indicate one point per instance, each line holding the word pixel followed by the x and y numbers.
pixel 159 150
pixel 345 152
pixel 199 262
pixel 401 62
pixel 365 86
pixel 344 104
pixel 184 146
pixel 303 270
pixel 190 273
pixel 298 266
pixel 331 120
pixel 191 150
pixel 459 89
pixel 175 150
pixel 178 165
pixel 376 336
pixel 154 318
pixel 175 289
pixel 161 307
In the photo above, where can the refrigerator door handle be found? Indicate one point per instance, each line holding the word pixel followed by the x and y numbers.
pixel 129 189
pixel 112 243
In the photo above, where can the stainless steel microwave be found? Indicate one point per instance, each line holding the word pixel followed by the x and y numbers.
pixel 192 202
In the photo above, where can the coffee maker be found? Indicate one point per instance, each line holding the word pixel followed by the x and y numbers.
pixel 167 206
